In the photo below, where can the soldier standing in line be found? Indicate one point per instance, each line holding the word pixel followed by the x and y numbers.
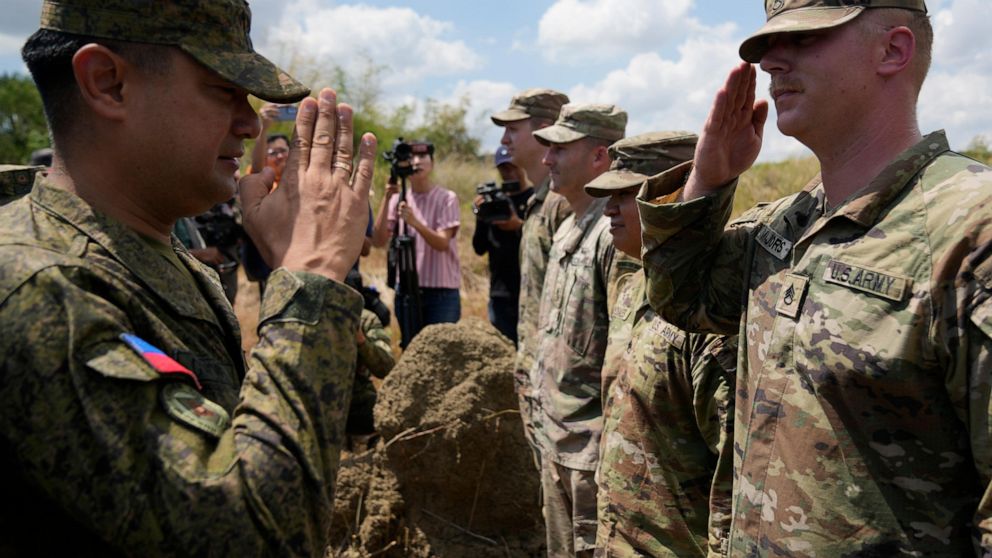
pixel 529 111
pixel 130 422
pixel 583 268
pixel 864 302
pixel 665 466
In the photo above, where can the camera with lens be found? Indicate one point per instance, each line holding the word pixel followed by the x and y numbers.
pixel 496 205
pixel 401 159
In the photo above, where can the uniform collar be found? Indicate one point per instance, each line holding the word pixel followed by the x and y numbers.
pixel 132 251
pixel 581 227
pixel 865 206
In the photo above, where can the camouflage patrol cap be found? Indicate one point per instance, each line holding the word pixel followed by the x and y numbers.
pixel 790 16
pixel 578 121
pixel 638 158
pixel 213 32
pixel 542 103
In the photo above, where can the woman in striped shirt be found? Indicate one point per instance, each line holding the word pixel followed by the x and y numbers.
pixel 430 215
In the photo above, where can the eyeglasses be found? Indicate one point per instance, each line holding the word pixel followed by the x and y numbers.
pixel 278 151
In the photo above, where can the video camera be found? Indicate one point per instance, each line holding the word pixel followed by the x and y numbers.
pixel 401 157
pixel 496 204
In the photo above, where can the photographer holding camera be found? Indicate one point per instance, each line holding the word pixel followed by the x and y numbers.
pixel 429 214
pixel 498 231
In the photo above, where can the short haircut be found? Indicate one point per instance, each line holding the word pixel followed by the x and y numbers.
pixel 538 122
pixel 881 20
pixel 274 137
pixel 48 55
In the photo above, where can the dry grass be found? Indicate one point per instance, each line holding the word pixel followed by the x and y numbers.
pixel 764 182
pixel 460 176
pixel 768 182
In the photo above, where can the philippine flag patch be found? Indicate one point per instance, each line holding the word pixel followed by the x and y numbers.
pixel 158 360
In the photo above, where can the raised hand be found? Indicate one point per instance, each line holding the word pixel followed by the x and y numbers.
pixel 731 138
pixel 315 220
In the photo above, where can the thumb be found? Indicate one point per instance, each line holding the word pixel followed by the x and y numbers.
pixel 253 188
pixel 759 117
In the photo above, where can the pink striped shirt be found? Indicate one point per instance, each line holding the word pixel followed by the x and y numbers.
pixel 438 209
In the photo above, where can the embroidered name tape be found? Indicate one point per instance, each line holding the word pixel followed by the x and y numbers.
pixel 776 244
pixel 673 335
pixel 158 360
pixel 862 278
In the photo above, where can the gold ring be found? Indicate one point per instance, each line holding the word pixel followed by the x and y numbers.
pixel 342 165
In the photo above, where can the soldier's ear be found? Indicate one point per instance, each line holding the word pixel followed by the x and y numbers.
pixel 899 48
pixel 101 75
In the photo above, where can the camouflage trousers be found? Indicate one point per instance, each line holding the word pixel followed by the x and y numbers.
pixel 569 510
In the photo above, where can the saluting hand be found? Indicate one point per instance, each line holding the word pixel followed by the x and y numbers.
pixel 317 217
pixel 731 138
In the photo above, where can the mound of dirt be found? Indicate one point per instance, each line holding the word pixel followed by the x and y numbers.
pixel 452 475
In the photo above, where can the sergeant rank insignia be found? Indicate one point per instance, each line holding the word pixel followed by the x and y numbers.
pixel 793 292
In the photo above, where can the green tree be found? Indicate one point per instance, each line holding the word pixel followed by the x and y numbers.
pixel 979 150
pixel 22 119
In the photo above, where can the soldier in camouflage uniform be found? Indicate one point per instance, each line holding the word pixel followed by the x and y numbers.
pixel 375 358
pixel 529 111
pixel 583 268
pixel 16 181
pixel 664 473
pixel 130 421
pixel 864 302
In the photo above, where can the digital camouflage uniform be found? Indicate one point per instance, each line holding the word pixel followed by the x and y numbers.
pixel 375 357
pixel 108 453
pixel 130 420
pixel 544 213
pixel 15 182
pixel 863 401
pixel 665 473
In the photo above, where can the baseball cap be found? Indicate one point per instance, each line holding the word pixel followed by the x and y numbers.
pixel 790 16
pixel 638 158
pixel 502 156
pixel 579 121
pixel 214 32
pixel 543 103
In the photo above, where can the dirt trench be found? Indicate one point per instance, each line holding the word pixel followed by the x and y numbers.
pixel 452 474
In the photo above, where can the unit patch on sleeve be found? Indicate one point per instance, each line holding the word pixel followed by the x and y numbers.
pixel 879 283
pixel 190 407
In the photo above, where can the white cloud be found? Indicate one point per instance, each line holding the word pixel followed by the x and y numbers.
pixel 962 37
pixel 580 30
pixel 957 95
pixel 661 94
pixel 10 45
pixel 485 98
pixel 411 46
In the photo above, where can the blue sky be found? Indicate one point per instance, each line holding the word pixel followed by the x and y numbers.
pixel 661 60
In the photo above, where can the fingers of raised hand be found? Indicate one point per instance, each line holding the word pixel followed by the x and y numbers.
pixel 344 150
pixel 299 149
pixel 366 165
pixel 324 131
